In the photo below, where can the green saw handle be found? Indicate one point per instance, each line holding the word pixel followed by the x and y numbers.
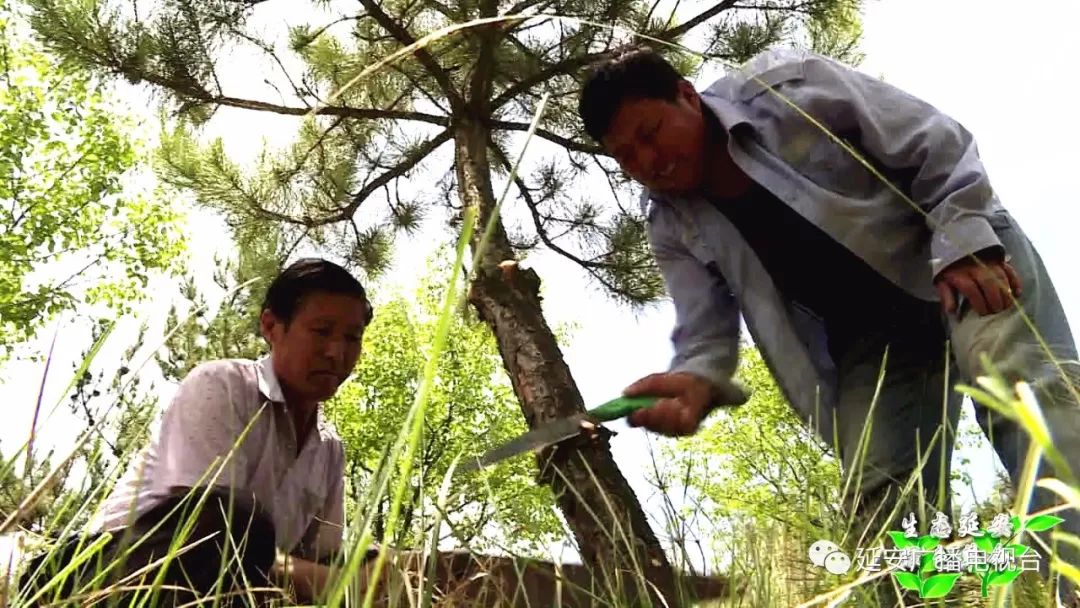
pixel 620 407
pixel 728 393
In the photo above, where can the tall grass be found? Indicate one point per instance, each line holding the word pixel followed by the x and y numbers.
pixel 764 562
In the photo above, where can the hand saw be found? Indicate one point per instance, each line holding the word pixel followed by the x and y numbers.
pixel 565 428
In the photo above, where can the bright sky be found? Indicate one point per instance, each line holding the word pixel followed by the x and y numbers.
pixel 994 68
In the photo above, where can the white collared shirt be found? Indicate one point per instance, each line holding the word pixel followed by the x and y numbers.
pixel 214 405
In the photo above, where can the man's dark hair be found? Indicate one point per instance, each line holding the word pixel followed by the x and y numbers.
pixel 637 73
pixel 307 276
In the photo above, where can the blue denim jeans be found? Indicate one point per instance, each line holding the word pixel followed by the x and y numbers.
pixel 894 406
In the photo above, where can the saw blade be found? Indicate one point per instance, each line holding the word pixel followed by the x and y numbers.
pixel 532 441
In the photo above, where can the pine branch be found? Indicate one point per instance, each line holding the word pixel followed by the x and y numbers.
pixel 565 66
pixel 590 266
pixel 419 87
pixel 702 17
pixel 567 143
pixel 574 63
pixel 805 8
pixel 269 50
pixel 525 5
pixel 480 83
pixel 420 153
pixel 402 35
pixel 344 111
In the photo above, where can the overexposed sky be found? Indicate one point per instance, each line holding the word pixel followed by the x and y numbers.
pixel 1002 71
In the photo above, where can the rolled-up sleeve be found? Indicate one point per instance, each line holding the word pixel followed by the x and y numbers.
pixel 706 333
pixel 201 432
pixel 903 132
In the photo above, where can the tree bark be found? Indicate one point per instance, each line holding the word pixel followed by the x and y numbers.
pixel 611 529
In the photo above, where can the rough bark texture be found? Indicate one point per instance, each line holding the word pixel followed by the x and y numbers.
pixel 608 523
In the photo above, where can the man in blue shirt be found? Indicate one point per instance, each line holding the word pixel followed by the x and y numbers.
pixel 754 209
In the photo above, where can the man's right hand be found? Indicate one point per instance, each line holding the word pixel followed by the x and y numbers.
pixel 685 400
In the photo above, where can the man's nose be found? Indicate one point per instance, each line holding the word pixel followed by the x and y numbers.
pixel 644 161
pixel 334 349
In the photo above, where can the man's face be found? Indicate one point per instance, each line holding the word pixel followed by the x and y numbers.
pixel 320 346
pixel 661 144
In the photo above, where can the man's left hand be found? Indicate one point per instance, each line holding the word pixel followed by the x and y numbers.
pixel 990 286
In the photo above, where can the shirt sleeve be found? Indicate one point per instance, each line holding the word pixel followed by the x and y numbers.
pixel 706 333
pixel 322 540
pixel 903 132
pixel 201 432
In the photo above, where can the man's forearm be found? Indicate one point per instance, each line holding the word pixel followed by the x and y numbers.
pixel 309 579
pixel 306 578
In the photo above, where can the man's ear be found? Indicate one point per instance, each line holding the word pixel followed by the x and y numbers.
pixel 267 322
pixel 689 95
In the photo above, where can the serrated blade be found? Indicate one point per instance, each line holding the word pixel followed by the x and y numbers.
pixel 532 441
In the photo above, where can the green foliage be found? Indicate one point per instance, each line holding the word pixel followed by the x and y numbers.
pixel 836 29
pixel 15 486
pixel 758 461
pixel 1041 523
pixel 471 408
pixel 69 214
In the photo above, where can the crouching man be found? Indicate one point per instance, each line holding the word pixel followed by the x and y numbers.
pixel 241 467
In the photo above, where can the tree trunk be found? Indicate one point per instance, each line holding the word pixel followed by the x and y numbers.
pixel 612 532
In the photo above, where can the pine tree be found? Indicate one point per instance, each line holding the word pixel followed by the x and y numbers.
pixel 347 184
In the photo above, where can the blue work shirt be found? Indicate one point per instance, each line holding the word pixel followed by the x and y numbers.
pixel 713 275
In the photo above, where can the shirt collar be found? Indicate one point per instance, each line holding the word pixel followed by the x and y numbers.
pixel 268 381
pixel 270 388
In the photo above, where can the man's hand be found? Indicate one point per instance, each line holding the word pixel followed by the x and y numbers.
pixel 309 580
pixel 987 285
pixel 685 401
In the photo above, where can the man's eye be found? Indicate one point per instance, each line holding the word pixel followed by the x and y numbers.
pixel 322 331
pixel 353 338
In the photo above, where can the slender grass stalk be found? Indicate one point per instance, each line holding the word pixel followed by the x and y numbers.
pixel 864 438
pixel 416 415
pixel 1030 417
pixel 29 467
pixel 427 583
pixel 943 477
pixel 1069 493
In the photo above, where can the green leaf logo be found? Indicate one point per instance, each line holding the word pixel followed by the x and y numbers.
pixel 901 541
pixel 938 585
pixel 986 542
pixel 927 543
pixel 909 580
pixel 1041 523
pixel 927 564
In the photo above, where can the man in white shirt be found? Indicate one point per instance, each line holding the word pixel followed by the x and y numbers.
pixel 250 433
